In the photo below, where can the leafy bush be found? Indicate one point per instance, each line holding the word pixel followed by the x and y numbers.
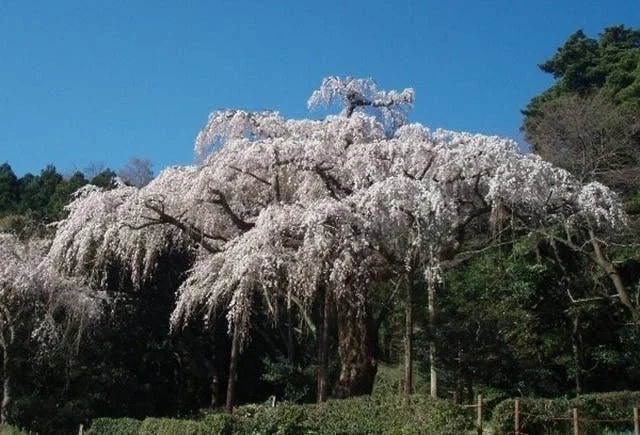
pixel 285 419
pixel 376 415
pixel 114 426
pixel 536 414
pixel 217 424
pixel 387 415
pixel 171 426
pixel 10 430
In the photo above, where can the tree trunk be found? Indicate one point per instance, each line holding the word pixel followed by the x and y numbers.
pixel 215 388
pixel 408 342
pixel 323 347
pixel 355 346
pixel 233 364
pixel 575 344
pixel 290 340
pixel 431 293
pixel 615 277
pixel 6 388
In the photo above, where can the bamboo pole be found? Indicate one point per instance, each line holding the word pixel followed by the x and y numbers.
pixel 576 423
pixel 636 421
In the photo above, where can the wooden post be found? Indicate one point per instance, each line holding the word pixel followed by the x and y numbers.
pixel 576 425
pixel 636 421
pixel 479 421
pixel 516 416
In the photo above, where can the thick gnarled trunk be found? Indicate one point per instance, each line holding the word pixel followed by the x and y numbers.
pixel 355 346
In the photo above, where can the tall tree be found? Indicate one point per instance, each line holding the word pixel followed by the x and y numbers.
pixel 590 136
pixel 287 210
pixel 588 122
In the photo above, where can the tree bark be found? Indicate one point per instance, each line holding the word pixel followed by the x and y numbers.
pixel 6 387
pixel 355 346
pixel 408 342
pixel 323 347
pixel 233 364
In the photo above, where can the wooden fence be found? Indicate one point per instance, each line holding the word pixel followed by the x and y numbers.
pixel 634 417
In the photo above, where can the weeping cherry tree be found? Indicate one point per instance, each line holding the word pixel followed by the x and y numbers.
pixel 304 212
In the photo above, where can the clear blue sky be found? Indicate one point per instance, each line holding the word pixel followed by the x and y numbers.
pixel 102 81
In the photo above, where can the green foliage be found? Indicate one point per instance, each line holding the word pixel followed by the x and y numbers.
pixel 387 415
pixel 114 426
pixel 414 415
pixel 295 382
pixel 390 380
pixel 9 189
pixel 536 414
pixel 611 62
pixel 217 424
pixel 170 426
pixel 536 420
pixel 285 419
pixel 212 424
pixel 10 430
pixel 587 122
pixel 103 179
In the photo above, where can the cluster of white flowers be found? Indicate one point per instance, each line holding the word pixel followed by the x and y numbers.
pixel 30 286
pixel 287 205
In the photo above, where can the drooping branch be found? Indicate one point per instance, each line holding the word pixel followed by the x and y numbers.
pixel 333 185
pixel 189 229
pixel 250 174
pixel 221 200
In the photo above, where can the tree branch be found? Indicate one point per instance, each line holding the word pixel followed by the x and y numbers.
pixel 221 200
pixel 194 233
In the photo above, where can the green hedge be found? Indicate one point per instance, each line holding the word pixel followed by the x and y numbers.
pixel 171 426
pixel 213 424
pixel 597 406
pixel 114 426
pixel 378 415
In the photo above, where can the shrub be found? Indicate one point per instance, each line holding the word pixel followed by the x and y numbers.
pixel 536 414
pixel 284 419
pixel 217 424
pixel 10 430
pixel 387 415
pixel 376 415
pixel 114 426
pixel 171 426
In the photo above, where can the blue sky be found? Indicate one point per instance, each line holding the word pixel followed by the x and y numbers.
pixel 83 82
